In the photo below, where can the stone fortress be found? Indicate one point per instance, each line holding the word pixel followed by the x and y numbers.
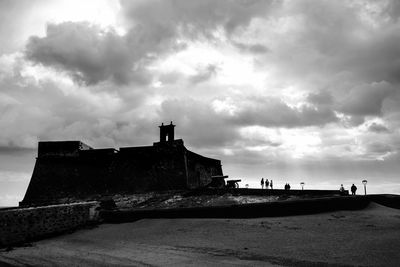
pixel 73 170
pixel 74 186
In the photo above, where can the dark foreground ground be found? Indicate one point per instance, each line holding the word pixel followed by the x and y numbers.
pixel 368 237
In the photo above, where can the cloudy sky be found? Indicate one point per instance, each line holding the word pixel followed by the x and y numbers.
pixel 286 90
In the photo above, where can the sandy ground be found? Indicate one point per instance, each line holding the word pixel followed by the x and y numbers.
pixel 369 237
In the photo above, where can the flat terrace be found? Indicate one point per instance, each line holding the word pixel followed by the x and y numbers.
pixel 274 192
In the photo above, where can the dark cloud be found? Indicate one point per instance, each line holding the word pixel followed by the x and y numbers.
pixel 194 17
pixel 373 60
pixel 86 52
pixel 366 99
pixel 393 9
pixel 377 128
pixel 320 98
pixel 326 26
pixel 275 113
pixel 378 148
pixel 251 48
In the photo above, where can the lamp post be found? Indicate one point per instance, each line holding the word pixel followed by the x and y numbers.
pixel 365 186
pixel 302 185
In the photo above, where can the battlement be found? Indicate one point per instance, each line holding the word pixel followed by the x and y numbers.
pixel 55 149
pixel 61 148
pixel 98 153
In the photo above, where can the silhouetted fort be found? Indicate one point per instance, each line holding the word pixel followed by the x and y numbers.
pixel 72 169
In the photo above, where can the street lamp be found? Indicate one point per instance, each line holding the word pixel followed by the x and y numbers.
pixel 365 186
pixel 302 185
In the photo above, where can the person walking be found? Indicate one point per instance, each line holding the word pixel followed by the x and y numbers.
pixel 270 183
pixel 262 183
pixel 353 190
pixel 266 184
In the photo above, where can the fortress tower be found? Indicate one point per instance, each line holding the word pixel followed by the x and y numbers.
pixel 167 131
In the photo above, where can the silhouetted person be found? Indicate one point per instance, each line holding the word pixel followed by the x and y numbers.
pixel 262 183
pixel 341 189
pixel 353 189
pixel 270 183
pixel 288 186
pixel 266 184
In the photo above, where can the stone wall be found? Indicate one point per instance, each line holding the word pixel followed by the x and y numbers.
pixel 25 224
pixel 200 169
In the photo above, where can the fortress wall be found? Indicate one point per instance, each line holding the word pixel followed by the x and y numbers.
pixel 160 167
pixel 50 177
pixel 70 171
pixel 58 178
pixel 23 225
pixel 63 179
pixel 200 169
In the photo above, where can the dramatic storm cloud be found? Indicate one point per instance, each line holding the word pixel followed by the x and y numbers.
pixel 92 55
pixel 289 90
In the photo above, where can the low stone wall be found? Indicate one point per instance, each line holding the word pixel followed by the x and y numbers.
pixel 25 224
